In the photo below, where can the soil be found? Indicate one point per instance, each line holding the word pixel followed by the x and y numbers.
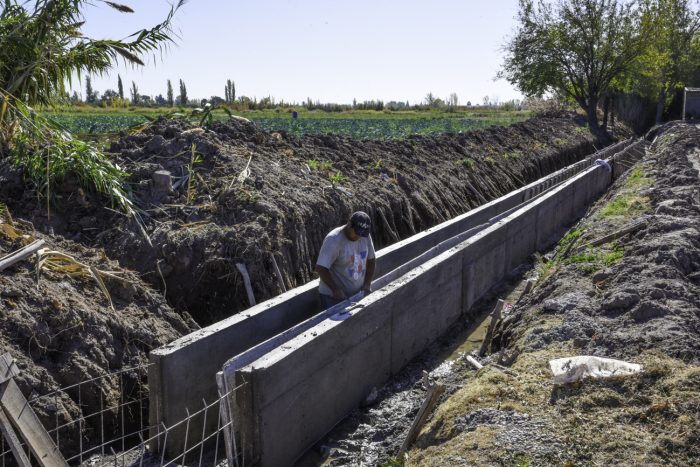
pixel 636 299
pixel 286 202
pixel 217 214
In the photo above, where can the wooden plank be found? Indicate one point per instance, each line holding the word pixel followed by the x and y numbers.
pixel 8 368
pixel 20 413
pixel 431 399
pixel 226 417
pixel 495 316
pixel 18 255
pixel 15 445
pixel 246 281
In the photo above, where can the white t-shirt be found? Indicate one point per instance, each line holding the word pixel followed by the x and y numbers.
pixel 346 260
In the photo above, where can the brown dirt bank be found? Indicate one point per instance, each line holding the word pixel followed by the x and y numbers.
pixel 287 202
pixel 62 331
pixel 635 299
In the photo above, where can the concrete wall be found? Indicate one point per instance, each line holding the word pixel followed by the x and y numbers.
pixel 182 373
pixel 296 393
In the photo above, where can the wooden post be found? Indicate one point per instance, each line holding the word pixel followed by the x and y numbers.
pixel 495 316
pixel 246 280
pixel 431 399
pixel 17 410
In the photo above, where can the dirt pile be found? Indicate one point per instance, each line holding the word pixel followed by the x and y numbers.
pixel 237 194
pixel 62 331
pixel 634 298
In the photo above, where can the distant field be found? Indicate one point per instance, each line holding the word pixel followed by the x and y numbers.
pixel 355 124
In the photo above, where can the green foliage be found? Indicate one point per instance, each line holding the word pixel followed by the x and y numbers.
pixel 41 48
pixel 625 205
pixel 323 166
pixel 570 238
pixel 592 259
pixel 337 178
pixel 490 160
pixel 468 163
pixel 48 155
pixel 195 159
pixel 393 462
pixel 573 48
pixel 375 165
pixel 672 54
pixel 513 155
pixel 629 202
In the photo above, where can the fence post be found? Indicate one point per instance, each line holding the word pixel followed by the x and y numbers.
pixel 15 409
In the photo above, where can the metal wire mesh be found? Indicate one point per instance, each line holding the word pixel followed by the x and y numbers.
pixel 110 430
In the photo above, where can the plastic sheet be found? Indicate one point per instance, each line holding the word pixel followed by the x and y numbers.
pixel 571 369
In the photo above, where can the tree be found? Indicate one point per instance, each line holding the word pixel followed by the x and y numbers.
pixel 41 48
pixel 169 94
pixel 230 92
pixel 120 87
pixel 90 94
pixel 672 52
pixel 574 48
pixel 108 97
pixel 182 99
pixel 453 100
pixel 135 98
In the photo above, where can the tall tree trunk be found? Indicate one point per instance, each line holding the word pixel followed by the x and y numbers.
pixel 612 114
pixel 606 109
pixel 660 104
pixel 591 113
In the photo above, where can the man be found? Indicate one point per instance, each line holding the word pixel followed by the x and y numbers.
pixel 346 261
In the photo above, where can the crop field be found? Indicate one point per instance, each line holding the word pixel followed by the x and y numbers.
pixel 359 125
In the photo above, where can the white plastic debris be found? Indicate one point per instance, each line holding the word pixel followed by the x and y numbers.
pixel 571 369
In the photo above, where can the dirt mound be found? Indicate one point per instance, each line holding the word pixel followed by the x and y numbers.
pixel 62 331
pixel 636 298
pixel 238 194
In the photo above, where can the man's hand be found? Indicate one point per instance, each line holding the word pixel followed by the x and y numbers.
pixel 338 294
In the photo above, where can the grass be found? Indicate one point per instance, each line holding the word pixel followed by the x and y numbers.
pixel 468 163
pixel 634 420
pixel 629 201
pixel 322 166
pixel 513 155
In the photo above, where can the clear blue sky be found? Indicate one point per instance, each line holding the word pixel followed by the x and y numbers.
pixel 329 50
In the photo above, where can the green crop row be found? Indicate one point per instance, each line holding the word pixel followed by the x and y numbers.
pixel 358 128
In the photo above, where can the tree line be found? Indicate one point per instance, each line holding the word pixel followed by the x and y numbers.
pixel 111 98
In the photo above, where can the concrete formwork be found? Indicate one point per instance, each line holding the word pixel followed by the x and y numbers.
pixel 182 373
pixel 294 394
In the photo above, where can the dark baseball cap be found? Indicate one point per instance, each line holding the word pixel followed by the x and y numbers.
pixel 361 223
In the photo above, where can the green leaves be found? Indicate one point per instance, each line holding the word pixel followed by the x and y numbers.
pixel 119 7
pixel 575 48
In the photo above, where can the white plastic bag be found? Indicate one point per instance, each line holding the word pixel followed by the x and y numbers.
pixel 570 369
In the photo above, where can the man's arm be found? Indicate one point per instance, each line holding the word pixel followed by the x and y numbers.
pixel 326 277
pixel 369 275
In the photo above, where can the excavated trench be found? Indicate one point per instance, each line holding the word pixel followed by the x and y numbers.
pixel 555 202
pixel 215 214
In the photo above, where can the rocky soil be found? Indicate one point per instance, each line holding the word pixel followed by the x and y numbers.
pixel 635 298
